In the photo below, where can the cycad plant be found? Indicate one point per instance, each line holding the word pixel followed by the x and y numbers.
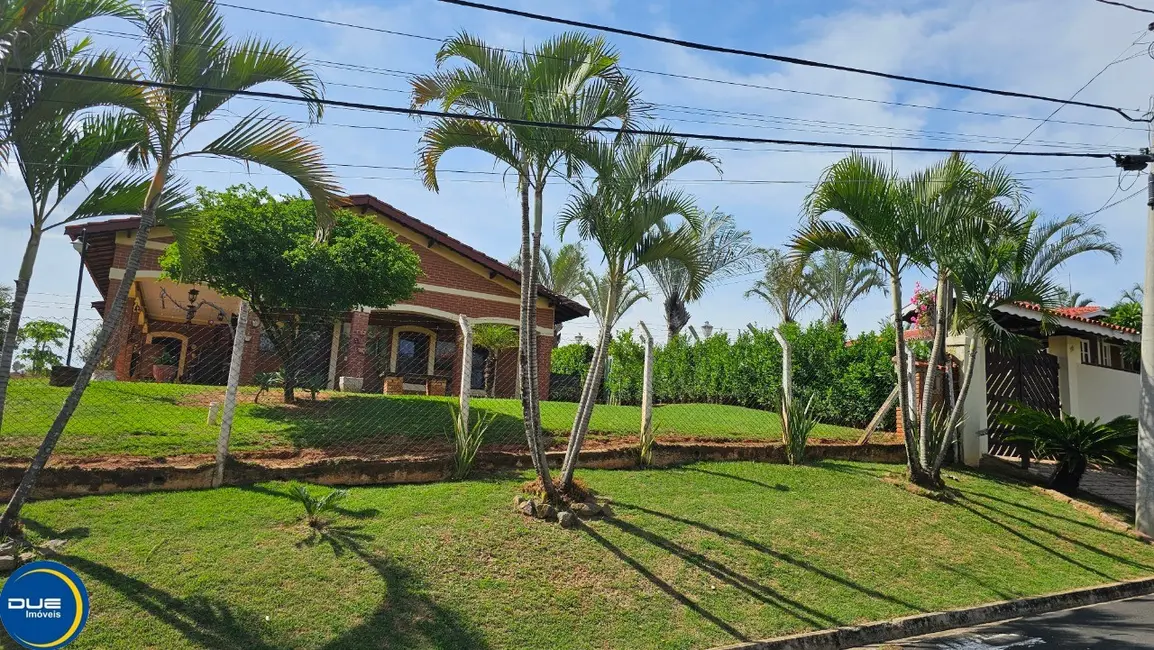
pixel 1074 443
pixel 726 250
pixel 635 217
pixel 186 47
pixel 317 507
pixel 570 79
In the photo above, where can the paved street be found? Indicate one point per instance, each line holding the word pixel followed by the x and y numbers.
pixel 1118 626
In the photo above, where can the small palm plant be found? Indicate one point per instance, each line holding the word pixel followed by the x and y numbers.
pixel 317 507
pixel 467 440
pixel 797 422
pixel 1073 442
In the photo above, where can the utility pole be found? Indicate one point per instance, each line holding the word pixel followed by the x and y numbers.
pixel 1144 509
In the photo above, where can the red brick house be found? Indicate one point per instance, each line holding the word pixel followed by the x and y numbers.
pixel 417 339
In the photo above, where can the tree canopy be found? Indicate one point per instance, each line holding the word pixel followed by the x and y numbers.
pixel 263 249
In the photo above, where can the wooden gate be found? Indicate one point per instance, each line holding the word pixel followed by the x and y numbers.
pixel 1029 379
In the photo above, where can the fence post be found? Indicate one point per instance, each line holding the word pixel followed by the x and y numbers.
pixel 786 366
pixel 230 393
pixel 647 398
pixel 466 369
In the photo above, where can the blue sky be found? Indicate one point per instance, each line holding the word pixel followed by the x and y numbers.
pixel 1047 47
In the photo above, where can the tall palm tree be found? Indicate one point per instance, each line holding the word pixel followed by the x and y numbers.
pixel 1134 294
pixel 629 212
pixel 1074 298
pixel 835 280
pixel 572 79
pixel 782 287
pixel 493 339
pixel 594 289
pixel 725 251
pixel 186 46
pixel 862 207
pixel 561 271
pixel 46 133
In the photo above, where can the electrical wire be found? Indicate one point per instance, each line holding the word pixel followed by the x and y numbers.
pixel 381 108
pixel 1126 6
pixel 787 59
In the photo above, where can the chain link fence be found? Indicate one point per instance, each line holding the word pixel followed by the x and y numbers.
pixel 365 384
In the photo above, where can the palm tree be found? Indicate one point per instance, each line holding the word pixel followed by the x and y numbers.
pixel 186 46
pixel 877 225
pixel 1134 294
pixel 835 280
pixel 628 210
pixel 782 287
pixel 572 79
pixel 493 339
pixel 561 271
pixel 725 251
pixel 595 290
pixel 1068 298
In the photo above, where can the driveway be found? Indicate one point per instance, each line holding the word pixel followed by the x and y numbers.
pixel 1119 625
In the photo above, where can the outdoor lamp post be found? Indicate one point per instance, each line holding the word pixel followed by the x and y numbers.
pixel 707 329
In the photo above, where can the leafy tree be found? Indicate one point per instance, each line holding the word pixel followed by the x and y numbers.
pixel 572 79
pixel 724 250
pixel 185 45
pixel 572 359
pixel 53 138
pixel 1128 313
pixel 835 280
pixel 783 287
pixel 43 337
pixel 249 244
pixel 493 338
pixel 636 218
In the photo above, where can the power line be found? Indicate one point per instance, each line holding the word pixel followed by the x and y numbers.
pixel 788 59
pixel 399 110
pixel 671 75
pixel 1126 6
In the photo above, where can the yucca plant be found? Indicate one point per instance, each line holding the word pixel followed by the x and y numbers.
pixel 317 507
pixel 467 440
pixel 1073 442
pixel 797 422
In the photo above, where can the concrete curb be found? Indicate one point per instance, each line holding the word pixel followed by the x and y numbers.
pixel 920 624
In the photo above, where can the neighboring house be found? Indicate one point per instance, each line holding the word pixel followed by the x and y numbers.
pixel 417 339
pixel 1079 369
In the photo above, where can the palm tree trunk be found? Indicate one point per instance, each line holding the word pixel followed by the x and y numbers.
pixel 676 315
pixel 23 281
pixel 589 391
pixel 903 376
pixel 527 351
pixel 490 374
pixel 963 391
pixel 111 322
pixel 928 387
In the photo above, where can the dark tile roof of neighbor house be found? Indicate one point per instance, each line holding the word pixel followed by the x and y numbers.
pixel 566 308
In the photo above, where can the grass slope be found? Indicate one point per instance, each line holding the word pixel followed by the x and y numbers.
pixel 695 557
pixel 167 419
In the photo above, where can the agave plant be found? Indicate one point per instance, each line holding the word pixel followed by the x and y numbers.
pixel 467 440
pixel 317 507
pixel 1073 442
pixel 797 422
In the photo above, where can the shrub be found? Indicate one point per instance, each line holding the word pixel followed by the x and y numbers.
pixel 572 359
pixel 847 381
pixel 467 440
pixel 317 507
pixel 1074 443
pixel 796 425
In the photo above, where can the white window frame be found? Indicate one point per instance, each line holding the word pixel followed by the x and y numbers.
pixel 1085 351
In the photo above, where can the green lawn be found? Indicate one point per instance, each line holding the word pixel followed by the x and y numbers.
pixel 694 557
pixel 168 419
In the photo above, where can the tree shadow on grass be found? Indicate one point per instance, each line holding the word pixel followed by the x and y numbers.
pixel 973 509
pixel 1044 513
pixel 778 486
pixel 778 555
pixel 407 618
pixel 762 593
pixel 367 420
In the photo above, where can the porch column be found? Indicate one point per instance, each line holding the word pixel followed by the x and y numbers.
pixel 544 363
pixel 118 345
pixel 1069 352
pixel 355 357
pixel 251 350
pixel 975 442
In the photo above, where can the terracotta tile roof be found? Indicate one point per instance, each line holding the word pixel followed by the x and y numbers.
pixel 567 308
pixel 1072 314
pixel 919 334
pixel 1075 312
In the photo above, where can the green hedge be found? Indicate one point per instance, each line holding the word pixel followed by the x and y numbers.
pixel 572 359
pixel 848 382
